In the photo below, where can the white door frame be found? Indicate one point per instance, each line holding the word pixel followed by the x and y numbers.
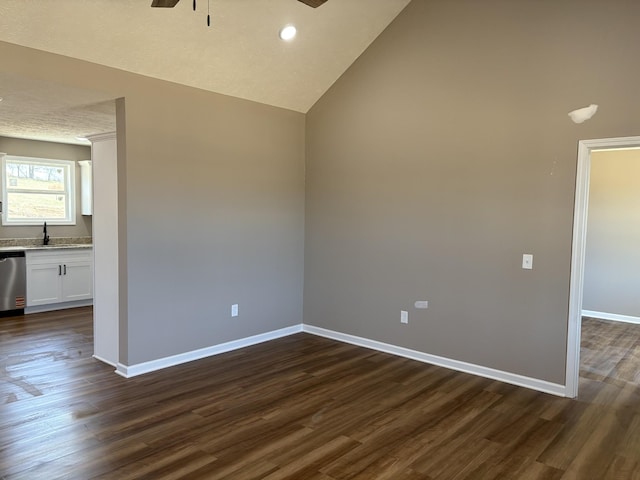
pixel 585 147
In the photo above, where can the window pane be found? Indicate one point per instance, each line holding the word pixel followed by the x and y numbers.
pixel 35 205
pixel 37 189
pixel 22 176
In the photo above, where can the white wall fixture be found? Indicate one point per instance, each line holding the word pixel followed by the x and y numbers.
pixel 288 33
pixel 583 114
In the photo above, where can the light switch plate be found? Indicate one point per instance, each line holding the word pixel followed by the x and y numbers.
pixel 404 316
pixel 234 310
pixel 527 261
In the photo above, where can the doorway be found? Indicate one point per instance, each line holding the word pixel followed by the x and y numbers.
pixel 578 255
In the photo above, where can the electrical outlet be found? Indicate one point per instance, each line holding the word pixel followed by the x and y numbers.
pixel 234 310
pixel 404 316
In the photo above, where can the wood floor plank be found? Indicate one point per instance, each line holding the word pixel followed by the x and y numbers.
pixel 593 459
pixel 623 467
pixel 306 407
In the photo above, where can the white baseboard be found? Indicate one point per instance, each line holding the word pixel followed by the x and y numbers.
pixel 611 316
pixel 58 306
pixel 129 371
pixel 512 378
pixel 103 360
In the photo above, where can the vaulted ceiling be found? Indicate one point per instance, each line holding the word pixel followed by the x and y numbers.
pixel 240 54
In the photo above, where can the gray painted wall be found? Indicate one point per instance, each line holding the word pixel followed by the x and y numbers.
pixel 445 153
pixel 433 164
pixel 56 151
pixel 612 260
pixel 211 208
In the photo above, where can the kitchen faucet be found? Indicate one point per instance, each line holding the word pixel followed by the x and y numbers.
pixel 45 239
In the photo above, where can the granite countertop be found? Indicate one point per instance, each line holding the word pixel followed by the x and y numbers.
pixel 18 248
pixel 55 243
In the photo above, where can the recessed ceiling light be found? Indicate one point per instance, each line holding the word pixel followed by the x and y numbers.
pixel 287 33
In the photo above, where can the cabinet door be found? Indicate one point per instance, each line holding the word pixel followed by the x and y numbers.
pixel 77 281
pixel 43 284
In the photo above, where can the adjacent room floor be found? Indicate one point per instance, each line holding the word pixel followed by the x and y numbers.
pixel 304 407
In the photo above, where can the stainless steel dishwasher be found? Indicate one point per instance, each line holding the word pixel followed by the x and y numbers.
pixel 13 283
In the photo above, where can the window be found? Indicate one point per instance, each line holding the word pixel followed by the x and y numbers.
pixel 37 190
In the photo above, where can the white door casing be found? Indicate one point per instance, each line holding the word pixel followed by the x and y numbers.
pixel 578 250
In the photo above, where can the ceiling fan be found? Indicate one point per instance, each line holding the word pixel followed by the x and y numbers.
pixel 172 3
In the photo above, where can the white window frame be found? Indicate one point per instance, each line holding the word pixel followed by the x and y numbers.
pixel 69 192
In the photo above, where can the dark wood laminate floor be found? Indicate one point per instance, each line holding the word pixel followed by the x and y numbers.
pixel 305 407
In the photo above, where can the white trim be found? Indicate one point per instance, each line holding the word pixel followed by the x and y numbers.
pixel 104 360
pixel 507 377
pixel 614 317
pixel 585 147
pixel 58 306
pixel 101 137
pixel 129 371
pixel 122 370
pixel 69 169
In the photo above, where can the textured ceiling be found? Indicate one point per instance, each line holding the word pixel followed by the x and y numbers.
pixel 239 55
pixel 47 111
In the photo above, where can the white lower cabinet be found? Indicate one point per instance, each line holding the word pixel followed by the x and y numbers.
pixel 77 282
pixel 55 277
pixel 43 284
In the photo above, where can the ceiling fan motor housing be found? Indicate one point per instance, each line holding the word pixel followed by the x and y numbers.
pixel 164 3
pixel 313 3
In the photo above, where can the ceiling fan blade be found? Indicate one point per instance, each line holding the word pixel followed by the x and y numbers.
pixel 313 3
pixel 164 3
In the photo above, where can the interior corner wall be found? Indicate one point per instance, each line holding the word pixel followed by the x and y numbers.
pixel 214 208
pixel 442 156
pixel 57 151
pixel 612 259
